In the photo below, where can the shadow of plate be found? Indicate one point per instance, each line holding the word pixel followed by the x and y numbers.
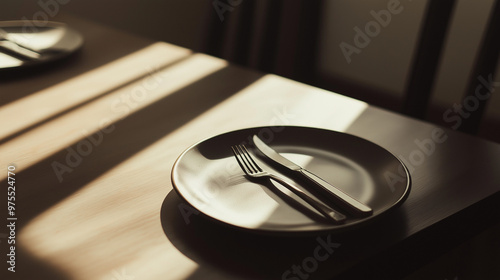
pixel 246 254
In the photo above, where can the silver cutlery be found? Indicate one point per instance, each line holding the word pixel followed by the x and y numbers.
pixel 342 199
pixel 12 46
pixel 253 170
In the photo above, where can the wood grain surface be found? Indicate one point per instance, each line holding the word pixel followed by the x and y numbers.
pixel 94 139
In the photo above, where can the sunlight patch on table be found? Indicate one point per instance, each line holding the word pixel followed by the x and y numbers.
pixel 124 202
pixel 48 102
pixel 277 101
pixel 88 228
pixel 54 136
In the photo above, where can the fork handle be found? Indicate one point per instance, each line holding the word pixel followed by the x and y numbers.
pixel 327 211
pixel 344 200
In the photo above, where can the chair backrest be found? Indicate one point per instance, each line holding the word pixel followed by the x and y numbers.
pixel 278 37
pixel 484 69
pixel 427 58
pixel 282 37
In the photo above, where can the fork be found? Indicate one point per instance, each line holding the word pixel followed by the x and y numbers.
pixel 253 170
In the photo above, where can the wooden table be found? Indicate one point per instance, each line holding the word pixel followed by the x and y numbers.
pixel 93 140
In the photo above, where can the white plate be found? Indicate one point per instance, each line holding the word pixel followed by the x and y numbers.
pixel 209 178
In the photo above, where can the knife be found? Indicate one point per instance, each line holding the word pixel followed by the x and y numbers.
pixel 342 199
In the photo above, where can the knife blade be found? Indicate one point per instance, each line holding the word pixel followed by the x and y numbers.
pixel 342 199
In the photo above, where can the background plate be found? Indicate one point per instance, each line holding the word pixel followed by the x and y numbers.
pixel 52 40
pixel 209 178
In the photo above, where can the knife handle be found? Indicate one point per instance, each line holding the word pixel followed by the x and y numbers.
pixel 328 212
pixel 341 198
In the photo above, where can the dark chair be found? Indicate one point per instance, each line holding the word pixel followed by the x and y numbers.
pixel 281 37
pixel 271 36
pixel 426 61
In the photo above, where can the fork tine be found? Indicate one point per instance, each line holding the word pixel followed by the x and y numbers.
pixel 255 167
pixel 243 160
pixel 252 169
pixel 240 161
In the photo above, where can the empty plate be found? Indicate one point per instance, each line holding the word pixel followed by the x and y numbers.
pixel 209 178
